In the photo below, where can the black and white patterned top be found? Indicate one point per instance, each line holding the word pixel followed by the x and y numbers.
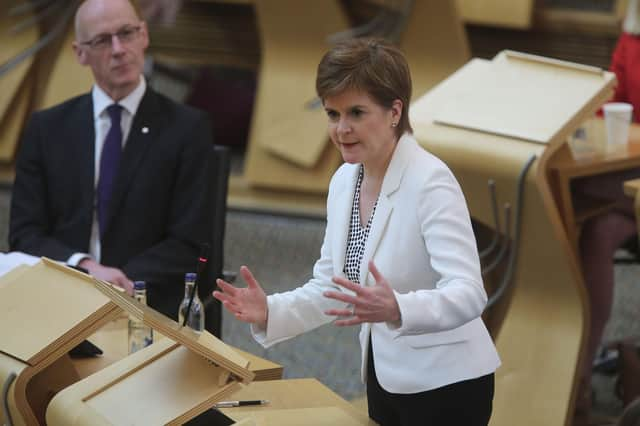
pixel 357 236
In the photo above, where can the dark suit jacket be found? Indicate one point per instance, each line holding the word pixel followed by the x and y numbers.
pixel 159 213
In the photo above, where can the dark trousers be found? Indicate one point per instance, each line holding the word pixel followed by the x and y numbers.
pixel 466 403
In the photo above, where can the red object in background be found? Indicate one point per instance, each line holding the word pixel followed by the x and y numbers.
pixel 625 63
pixel 227 95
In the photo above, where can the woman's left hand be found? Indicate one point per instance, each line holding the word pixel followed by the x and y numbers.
pixel 370 304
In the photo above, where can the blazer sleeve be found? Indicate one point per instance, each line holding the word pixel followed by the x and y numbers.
pixel 189 215
pixel 300 310
pixel 30 223
pixel 459 295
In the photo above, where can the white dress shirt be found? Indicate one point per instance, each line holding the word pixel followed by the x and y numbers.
pixel 102 123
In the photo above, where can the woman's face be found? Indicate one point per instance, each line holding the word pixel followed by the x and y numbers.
pixel 361 129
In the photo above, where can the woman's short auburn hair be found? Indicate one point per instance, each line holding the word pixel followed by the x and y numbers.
pixel 371 65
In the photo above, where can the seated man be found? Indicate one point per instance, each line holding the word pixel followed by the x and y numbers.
pixel 114 181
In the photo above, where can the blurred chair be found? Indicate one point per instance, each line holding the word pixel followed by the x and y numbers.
pixel 219 165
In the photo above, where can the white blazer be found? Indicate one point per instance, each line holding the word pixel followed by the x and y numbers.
pixel 422 242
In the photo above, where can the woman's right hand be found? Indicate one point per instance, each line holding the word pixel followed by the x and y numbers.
pixel 247 304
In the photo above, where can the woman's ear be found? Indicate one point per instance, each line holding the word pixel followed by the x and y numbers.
pixel 396 110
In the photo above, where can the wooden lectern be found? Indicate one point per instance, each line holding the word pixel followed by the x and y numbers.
pixel 488 121
pixel 47 309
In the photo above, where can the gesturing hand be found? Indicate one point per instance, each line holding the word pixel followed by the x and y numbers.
pixel 370 304
pixel 247 304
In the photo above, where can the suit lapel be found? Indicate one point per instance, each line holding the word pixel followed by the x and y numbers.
pixel 391 182
pixel 341 217
pixel 83 141
pixel 144 129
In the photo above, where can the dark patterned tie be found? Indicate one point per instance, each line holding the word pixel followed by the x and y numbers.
pixel 109 161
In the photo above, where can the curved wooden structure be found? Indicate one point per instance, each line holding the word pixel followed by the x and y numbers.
pixel 539 324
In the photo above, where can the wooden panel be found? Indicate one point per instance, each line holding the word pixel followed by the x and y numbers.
pixel 242 196
pixel 294 38
pixel 31 302
pixel 499 13
pixel 163 371
pixel 490 96
pixel 112 339
pixel 543 363
pixel 264 170
pixel 10 366
pixel 160 391
pixel 434 42
pixel 632 188
pixel 323 416
pixel 203 344
pixel 293 394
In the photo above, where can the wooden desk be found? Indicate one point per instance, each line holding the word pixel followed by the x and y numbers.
pixel 294 398
pixel 291 402
pixel 565 169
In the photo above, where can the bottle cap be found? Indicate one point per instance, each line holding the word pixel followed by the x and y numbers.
pixel 190 276
pixel 139 285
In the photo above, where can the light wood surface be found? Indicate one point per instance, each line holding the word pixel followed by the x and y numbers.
pixel 38 292
pixel 498 13
pixel 434 43
pixel 540 328
pixel 282 154
pixel 489 96
pixel 632 187
pixel 56 308
pixel 322 416
pixel 112 339
pixel 242 196
pixel 293 394
pixel 293 39
pixel 160 384
pixel 203 344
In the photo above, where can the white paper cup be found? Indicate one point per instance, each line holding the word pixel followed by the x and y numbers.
pixel 617 118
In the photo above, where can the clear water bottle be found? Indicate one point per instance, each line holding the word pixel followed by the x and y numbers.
pixel 196 314
pixel 140 335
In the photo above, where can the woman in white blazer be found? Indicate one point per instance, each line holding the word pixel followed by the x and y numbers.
pixel 399 256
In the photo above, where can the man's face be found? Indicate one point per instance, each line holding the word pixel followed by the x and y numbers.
pixel 111 40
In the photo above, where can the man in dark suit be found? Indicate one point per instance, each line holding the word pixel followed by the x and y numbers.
pixel 114 181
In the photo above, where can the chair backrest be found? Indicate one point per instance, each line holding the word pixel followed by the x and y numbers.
pixel 218 168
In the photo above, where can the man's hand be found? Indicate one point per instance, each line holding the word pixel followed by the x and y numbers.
pixel 114 275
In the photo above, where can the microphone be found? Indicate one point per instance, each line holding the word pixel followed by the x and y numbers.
pixel 202 263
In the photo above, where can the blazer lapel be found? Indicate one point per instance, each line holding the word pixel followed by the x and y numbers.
pixel 144 129
pixel 391 182
pixel 341 218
